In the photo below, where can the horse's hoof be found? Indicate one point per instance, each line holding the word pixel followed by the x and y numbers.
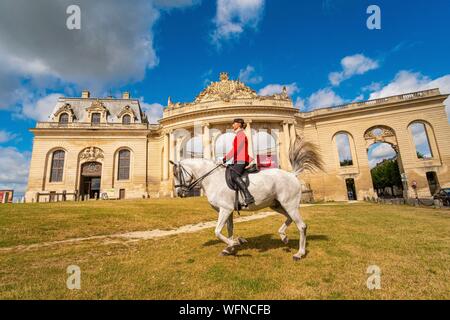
pixel 296 258
pixel 230 251
pixel 285 240
pixel 242 240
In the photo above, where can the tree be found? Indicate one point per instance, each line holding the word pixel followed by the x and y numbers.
pixel 386 175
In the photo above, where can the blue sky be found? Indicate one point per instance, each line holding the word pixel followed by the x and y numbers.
pixel 322 50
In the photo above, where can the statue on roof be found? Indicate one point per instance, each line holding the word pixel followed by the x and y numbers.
pixel 226 90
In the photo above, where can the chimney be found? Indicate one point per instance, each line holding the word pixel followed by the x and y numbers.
pixel 126 95
pixel 85 94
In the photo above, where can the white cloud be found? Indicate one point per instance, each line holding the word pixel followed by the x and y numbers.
pixel 154 111
pixel 6 136
pixel 406 81
pixel 343 146
pixel 299 103
pixel 41 109
pixel 379 152
pixel 248 75
pixel 114 46
pixel 272 89
pixel 234 16
pixel 14 172
pixel 374 86
pixel 357 64
pixel 324 98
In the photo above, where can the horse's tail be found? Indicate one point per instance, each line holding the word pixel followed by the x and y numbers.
pixel 304 155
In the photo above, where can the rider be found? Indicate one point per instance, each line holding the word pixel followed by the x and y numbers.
pixel 241 158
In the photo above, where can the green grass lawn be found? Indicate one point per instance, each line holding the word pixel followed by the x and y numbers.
pixel 410 245
pixel 41 222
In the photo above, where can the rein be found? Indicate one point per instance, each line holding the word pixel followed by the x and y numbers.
pixel 194 183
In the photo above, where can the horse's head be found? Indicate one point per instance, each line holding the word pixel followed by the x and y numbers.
pixel 182 179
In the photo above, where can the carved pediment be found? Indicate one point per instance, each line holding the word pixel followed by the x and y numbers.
pixel 66 108
pixel 126 110
pixel 91 154
pixel 98 106
pixel 226 90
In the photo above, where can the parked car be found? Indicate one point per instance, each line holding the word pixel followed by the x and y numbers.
pixel 444 196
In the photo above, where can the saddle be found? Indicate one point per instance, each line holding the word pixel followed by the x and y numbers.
pixel 250 170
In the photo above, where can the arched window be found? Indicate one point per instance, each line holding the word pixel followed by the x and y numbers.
pixel 344 150
pixel 57 169
pixel 124 165
pixel 265 147
pixel 64 118
pixel 420 137
pixel 95 118
pixel 126 119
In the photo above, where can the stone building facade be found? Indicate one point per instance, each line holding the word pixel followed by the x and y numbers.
pixel 91 147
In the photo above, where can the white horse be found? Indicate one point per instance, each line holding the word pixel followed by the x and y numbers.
pixel 278 189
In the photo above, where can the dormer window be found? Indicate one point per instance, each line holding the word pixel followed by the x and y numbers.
pixel 64 115
pixel 126 119
pixel 64 118
pixel 95 118
pixel 97 113
pixel 127 116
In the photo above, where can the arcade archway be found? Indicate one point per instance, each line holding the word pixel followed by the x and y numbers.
pixel 385 164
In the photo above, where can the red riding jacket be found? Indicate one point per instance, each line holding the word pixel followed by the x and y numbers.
pixel 239 153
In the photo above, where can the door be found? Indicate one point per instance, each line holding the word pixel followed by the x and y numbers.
pixel 351 190
pixel 433 182
pixel 90 180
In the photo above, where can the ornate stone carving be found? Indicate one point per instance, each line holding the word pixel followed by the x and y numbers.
pixel 226 90
pixel 91 154
pixel 126 110
pixel 379 133
pixel 66 108
pixel 97 105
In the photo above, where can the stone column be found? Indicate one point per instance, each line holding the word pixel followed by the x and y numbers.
pixel 248 133
pixel 165 161
pixel 286 143
pixel 172 150
pixel 206 142
pixel 292 133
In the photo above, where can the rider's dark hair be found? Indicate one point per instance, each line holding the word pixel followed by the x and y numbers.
pixel 242 122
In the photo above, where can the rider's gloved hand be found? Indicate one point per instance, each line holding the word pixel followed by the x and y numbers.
pixel 224 160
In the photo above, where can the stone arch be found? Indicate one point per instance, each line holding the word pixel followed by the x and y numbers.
pixel 265 148
pixel 181 136
pixel 429 135
pixel 382 134
pixel 193 147
pixel 351 146
pixel 86 155
pixel 223 144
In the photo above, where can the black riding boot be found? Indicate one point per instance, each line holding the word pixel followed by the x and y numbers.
pixel 247 195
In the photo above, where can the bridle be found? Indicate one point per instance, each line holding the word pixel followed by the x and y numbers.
pixel 181 172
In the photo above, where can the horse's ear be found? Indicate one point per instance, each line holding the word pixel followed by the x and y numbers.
pixel 171 162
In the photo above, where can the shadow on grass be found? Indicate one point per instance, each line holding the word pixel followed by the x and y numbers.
pixel 268 242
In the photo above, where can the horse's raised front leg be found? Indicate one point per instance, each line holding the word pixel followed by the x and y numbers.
pixel 282 230
pixel 224 215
